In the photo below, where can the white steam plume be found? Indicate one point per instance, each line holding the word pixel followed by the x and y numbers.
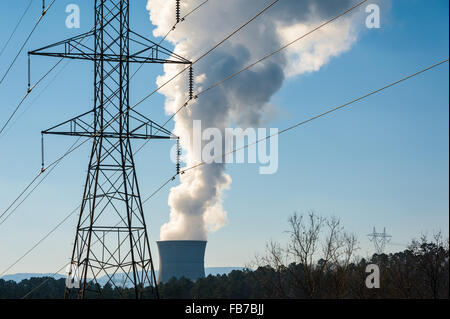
pixel 196 204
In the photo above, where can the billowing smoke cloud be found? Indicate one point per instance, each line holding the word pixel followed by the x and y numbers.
pixel 196 204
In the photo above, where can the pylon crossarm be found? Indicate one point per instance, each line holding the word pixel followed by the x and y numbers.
pixel 80 123
pixel 112 135
pixel 81 126
pixel 153 57
pixel 148 124
pixel 156 50
pixel 146 51
pixel 72 47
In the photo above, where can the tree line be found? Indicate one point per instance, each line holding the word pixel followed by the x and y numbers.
pixel 319 262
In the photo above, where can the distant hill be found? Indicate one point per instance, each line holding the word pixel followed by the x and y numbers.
pixel 214 271
pixel 20 277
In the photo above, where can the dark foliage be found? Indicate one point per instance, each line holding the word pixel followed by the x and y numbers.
pixel 422 271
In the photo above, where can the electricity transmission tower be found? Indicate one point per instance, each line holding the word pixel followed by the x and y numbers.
pixel 111 238
pixel 379 240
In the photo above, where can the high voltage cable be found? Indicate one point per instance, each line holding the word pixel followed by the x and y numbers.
pixel 172 29
pixel 45 281
pixel 206 53
pixel 323 114
pixel 37 97
pixel 259 61
pixel 26 41
pixel 39 242
pixel 15 28
pixel 265 58
pixel 284 47
pixel 25 97
pixel 193 10
pixel 32 190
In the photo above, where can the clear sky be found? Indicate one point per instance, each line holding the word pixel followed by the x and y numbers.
pixel 382 162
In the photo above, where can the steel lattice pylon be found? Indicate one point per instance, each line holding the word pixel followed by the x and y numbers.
pixel 111 238
pixel 379 240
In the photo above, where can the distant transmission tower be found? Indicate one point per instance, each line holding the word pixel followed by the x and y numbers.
pixel 379 240
pixel 111 237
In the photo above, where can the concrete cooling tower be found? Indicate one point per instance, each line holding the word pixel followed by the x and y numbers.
pixel 181 258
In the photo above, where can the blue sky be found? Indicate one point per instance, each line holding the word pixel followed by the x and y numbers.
pixel 382 162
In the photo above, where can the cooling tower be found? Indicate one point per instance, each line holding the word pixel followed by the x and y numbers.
pixel 181 258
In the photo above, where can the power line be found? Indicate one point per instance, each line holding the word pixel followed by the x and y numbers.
pixel 172 29
pixel 193 10
pixel 39 242
pixel 26 41
pixel 265 58
pixel 25 97
pixel 20 195
pixel 325 113
pixel 37 97
pixel 258 61
pixel 263 139
pixel 207 53
pixel 15 28
pixel 45 281
pixel 32 190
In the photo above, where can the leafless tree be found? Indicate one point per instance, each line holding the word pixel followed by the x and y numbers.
pixel 317 246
